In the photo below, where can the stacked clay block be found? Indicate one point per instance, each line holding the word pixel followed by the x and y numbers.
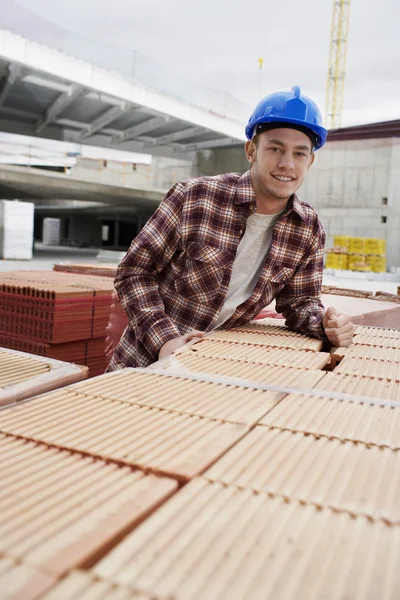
pixel 254 473
pixel 25 375
pixel 375 353
pixel 57 315
pixel 100 269
pixel 61 509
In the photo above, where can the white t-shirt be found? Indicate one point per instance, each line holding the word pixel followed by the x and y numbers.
pixel 248 263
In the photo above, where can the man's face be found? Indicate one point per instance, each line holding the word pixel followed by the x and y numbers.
pixel 280 161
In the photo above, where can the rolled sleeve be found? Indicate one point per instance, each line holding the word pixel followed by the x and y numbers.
pixel 300 300
pixel 136 282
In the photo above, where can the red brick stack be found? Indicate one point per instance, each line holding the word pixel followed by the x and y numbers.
pixel 57 315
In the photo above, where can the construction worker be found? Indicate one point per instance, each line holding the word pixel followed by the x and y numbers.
pixel 219 249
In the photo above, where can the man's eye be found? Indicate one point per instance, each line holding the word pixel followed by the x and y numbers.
pixel 300 154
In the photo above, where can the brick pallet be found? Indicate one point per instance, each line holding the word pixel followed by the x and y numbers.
pixel 58 315
pixel 238 468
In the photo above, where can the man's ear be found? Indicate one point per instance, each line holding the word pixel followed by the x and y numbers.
pixel 312 158
pixel 250 149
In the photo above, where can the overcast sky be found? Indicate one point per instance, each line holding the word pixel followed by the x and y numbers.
pixel 217 43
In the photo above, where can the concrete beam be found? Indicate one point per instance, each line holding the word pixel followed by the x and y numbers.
pixel 141 128
pixel 13 74
pixel 107 117
pixel 17 182
pixel 178 135
pixel 50 84
pixel 71 124
pixel 218 143
pixel 18 112
pixel 64 100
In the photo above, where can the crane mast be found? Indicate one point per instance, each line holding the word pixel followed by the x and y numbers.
pixel 337 63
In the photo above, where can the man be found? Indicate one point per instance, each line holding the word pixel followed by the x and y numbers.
pixel 219 249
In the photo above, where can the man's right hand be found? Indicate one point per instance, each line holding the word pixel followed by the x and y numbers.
pixel 169 347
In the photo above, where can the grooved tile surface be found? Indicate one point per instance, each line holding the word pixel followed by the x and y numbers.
pixel 211 542
pixel 185 396
pixel 360 385
pixel 263 374
pixel 268 326
pixel 161 441
pixel 328 473
pixel 14 369
pixel 272 322
pixel 379 342
pixel 370 368
pixel 20 581
pixel 257 354
pixel 379 332
pixel 83 586
pixel 373 352
pixel 295 341
pixel 24 375
pixel 341 419
pixel 59 508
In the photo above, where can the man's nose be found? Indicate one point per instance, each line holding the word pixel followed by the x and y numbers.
pixel 286 161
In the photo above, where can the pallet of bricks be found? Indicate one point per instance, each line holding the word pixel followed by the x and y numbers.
pixel 250 465
pixel 357 254
pixel 61 316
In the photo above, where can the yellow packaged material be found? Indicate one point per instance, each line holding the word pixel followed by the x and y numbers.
pixel 357 245
pixel 336 261
pixel 375 246
pixel 342 241
pixel 377 264
pixel 358 262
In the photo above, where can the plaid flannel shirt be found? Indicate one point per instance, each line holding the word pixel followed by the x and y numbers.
pixel 175 275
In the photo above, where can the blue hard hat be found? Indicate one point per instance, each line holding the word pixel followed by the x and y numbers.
pixel 292 108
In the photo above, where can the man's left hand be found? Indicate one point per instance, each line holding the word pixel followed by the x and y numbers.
pixel 338 328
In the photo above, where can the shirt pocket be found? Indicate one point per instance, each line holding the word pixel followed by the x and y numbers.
pixel 203 272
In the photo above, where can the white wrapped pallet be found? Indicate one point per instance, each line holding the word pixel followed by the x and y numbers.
pixel 51 231
pixel 16 229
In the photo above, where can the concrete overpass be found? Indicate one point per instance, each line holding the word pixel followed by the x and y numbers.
pixel 46 93
pixel 32 184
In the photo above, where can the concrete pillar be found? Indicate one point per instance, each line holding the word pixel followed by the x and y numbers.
pixel 224 160
pixel 116 231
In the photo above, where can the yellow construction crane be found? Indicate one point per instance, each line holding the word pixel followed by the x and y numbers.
pixel 337 63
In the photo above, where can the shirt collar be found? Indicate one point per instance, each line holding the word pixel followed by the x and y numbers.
pixel 244 190
pixel 294 204
pixel 245 194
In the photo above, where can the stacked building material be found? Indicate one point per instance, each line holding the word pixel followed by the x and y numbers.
pixel 191 480
pixel 357 254
pixel 51 231
pixel 16 229
pixel 375 352
pixel 101 269
pixel 24 375
pixel 57 315
pixel 338 256
pixel 386 297
pixel 334 290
